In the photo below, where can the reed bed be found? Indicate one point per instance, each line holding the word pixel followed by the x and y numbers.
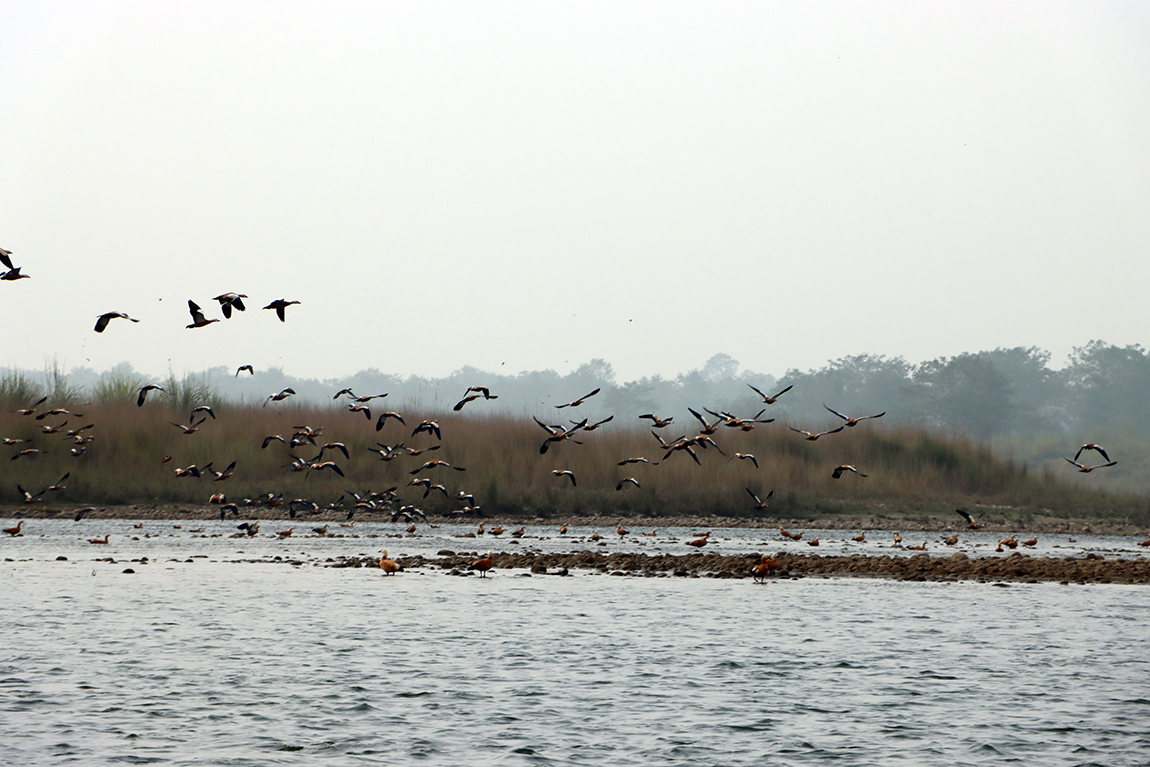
pixel 909 470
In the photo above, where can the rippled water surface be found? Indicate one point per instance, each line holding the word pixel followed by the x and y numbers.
pixel 212 661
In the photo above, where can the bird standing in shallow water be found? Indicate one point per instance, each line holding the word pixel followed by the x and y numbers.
pixel 389 566
pixel 483 564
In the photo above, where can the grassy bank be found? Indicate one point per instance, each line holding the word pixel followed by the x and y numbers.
pixel 909 470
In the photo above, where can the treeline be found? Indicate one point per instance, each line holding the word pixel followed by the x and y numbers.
pixel 986 394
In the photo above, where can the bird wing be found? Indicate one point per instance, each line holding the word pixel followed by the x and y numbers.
pixel 840 415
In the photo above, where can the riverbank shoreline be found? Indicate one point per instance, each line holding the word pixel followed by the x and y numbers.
pixel 995 520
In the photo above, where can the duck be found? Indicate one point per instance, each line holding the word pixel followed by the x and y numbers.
pixel 580 401
pixel 621 531
pixel 698 542
pixel 14 531
pixel 1031 543
pixel 838 472
pixel 860 538
pixel 198 319
pixel 656 421
pixel 143 394
pixel 813 542
pixel 812 436
pixel 389 566
pixel 970 521
pixel 919 547
pixel 852 422
pixel 103 320
pixel 483 564
pixel 228 301
pixel 279 396
pixel 99 540
pixel 745 457
pixel 951 540
pixel 1081 468
pixel 565 473
pixel 628 480
pixel 765 567
pixel 1095 447
pixel 279 305
pixel 760 504
pixel 770 400
pixel 242 368
pixel 897 539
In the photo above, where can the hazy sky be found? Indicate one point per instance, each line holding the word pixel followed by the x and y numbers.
pixel 537 184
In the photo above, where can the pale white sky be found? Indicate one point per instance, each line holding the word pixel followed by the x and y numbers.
pixel 537 184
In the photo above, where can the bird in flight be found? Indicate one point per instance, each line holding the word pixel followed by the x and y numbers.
pixel 657 422
pixel 838 472
pixel 974 523
pixel 230 300
pixel 580 401
pixel 198 319
pixel 1095 447
pixel 565 473
pixel 853 421
pixel 627 480
pixel 280 396
pixel 770 400
pixel 242 368
pixel 143 395
pixel 813 436
pixel 279 305
pixel 745 457
pixel 760 504
pixel 1088 469
pixel 103 320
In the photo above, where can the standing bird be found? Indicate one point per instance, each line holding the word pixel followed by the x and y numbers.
pixel 764 568
pixel 388 566
pixel 483 564
pixel 853 421
pixel 14 531
pixel 578 402
pixel 768 399
pixel 279 305
pixel 198 319
pixel 103 320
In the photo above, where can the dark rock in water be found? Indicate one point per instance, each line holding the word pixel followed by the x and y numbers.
pixel 129 570
pixel 61 558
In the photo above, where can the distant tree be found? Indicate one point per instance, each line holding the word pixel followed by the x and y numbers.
pixel 964 393
pixel 1108 384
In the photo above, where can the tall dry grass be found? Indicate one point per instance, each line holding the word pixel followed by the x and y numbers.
pixel 909 469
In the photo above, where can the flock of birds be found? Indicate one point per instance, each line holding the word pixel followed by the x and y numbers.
pixel 305 436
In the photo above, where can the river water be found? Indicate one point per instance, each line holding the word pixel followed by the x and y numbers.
pixel 202 656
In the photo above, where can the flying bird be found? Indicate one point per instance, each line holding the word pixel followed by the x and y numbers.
pixel 628 480
pixel 565 473
pixel 853 421
pixel 656 421
pixel 974 523
pixel 143 395
pixel 103 320
pixel 1095 447
pixel 770 400
pixel 279 305
pixel 230 300
pixel 1088 469
pixel 838 472
pixel 242 368
pixel 745 457
pixel 760 504
pixel 815 435
pixel 578 402
pixel 198 319
pixel 282 395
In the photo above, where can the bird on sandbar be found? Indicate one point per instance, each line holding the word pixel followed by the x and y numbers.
pixel 14 531
pixel 103 320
